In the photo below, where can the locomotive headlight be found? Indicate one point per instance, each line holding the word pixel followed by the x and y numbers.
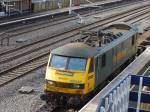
pixel 50 83
pixel 76 86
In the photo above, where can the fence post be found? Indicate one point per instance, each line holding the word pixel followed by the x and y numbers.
pixel 106 104
pixel 102 109
pixel 128 91
pixel 139 94
pixel 110 102
pixel 121 99
pixel 115 101
pixel 118 99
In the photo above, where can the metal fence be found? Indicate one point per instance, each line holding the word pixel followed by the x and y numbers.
pixel 117 100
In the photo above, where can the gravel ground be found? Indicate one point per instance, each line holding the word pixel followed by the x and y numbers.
pixel 13 101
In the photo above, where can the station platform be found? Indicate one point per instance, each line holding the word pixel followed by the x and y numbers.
pixel 115 96
pixel 8 20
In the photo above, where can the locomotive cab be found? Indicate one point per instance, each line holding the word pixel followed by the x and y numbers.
pixel 69 72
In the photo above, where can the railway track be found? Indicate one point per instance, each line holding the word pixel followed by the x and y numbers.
pixel 51 24
pixel 14 53
pixel 31 28
pixel 40 60
pixel 22 70
pixel 34 41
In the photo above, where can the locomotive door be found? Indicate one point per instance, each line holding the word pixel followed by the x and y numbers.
pixel 91 76
pixel 119 54
pixel 97 62
pixel 114 56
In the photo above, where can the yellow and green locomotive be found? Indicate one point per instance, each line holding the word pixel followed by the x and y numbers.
pixel 77 69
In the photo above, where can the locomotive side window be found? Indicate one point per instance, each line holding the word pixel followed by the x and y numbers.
pixel 133 40
pixel 103 60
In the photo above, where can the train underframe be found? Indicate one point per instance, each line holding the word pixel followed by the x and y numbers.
pixel 63 99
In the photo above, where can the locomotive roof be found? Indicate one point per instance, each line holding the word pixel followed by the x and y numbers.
pixel 121 25
pixel 75 50
pixel 85 50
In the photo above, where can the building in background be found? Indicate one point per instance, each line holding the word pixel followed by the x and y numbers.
pixel 13 7
pixel 42 5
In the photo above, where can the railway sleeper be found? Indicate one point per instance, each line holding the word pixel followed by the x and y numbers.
pixel 20 72
pixel 35 63
pixel 1 83
pixel 14 74
pixel 6 76
pixel 145 43
pixel 28 68
pixel 31 64
pixel 5 79
pixel 24 70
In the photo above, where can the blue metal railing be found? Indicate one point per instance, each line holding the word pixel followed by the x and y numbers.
pixel 118 98
pixel 139 96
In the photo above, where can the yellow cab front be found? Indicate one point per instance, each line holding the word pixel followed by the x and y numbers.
pixel 66 74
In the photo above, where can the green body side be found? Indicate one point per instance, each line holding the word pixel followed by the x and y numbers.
pixel 103 72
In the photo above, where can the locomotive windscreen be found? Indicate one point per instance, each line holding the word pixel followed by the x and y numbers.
pixel 68 63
